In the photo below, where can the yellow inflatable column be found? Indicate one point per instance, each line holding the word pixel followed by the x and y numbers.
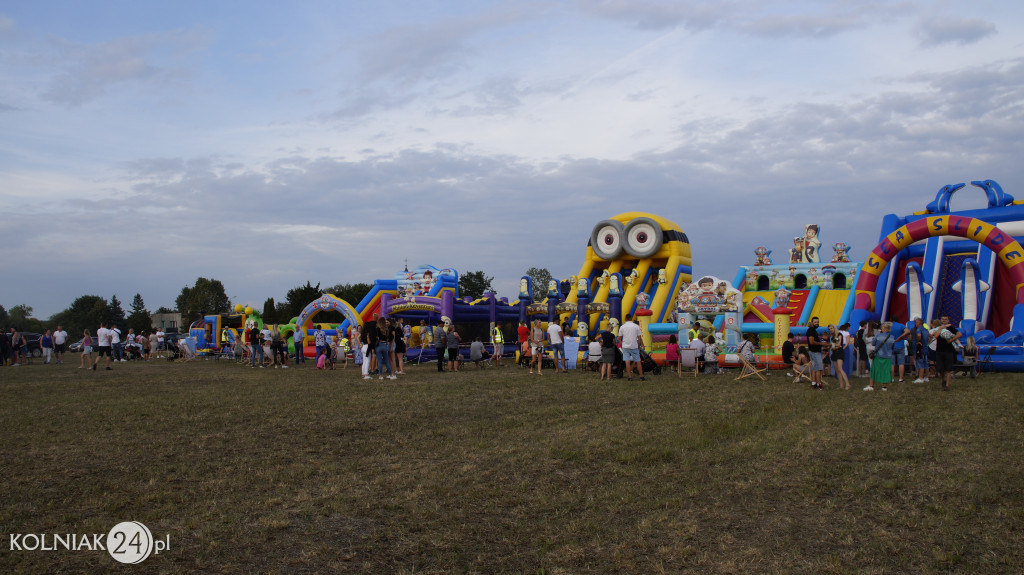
pixel 643 317
pixel 781 326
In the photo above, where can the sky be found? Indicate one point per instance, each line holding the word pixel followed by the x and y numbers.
pixel 266 144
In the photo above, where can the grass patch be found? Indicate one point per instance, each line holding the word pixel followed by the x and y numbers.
pixel 293 471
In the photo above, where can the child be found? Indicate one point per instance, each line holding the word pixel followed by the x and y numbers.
pixel 971 354
pixel 672 352
pixel 711 355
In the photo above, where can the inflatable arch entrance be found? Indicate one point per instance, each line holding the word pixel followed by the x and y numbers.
pixel 327 302
pixel 1007 250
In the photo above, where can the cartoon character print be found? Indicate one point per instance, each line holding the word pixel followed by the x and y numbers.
pixel 842 253
pixel 811 243
pixel 762 256
pixel 796 253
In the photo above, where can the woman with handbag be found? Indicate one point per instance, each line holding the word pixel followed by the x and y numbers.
pixel 881 360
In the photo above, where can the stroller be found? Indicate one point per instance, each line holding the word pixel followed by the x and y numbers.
pixel 646 361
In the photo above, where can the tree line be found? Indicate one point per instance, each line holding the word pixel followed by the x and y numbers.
pixel 208 296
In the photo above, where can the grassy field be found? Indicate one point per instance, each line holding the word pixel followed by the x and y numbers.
pixel 299 471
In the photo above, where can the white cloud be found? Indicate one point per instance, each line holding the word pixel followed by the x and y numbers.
pixel 936 31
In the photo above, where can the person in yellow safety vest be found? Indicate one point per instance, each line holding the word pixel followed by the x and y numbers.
pixel 692 334
pixel 498 342
pixel 223 337
pixel 342 351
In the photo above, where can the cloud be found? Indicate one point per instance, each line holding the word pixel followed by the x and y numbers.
pixel 794 19
pixel 937 31
pixel 6 24
pixel 92 71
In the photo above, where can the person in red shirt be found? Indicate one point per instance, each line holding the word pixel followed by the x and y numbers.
pixel 523 333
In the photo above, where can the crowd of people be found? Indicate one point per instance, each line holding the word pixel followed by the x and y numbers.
pixel 881 355
pixel 108 342
pixel 378 348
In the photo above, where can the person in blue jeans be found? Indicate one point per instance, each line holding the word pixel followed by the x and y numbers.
pixel 381 349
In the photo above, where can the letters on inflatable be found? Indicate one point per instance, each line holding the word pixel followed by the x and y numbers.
pixel 1005 247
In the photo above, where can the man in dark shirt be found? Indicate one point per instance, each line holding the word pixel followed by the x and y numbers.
pixel 814 346
pixel 256 343
pixel 945 354
pixel 788 349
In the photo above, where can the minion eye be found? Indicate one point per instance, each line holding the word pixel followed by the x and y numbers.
pixel 606 239
pixel 643 238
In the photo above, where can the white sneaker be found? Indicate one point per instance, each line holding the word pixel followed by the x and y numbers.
pixel 392 377
pixel 284 367
pixel 918 380
pixel 367 377
pixel 925 379
pixel 380 377
pixel 869 388
pixel 885 389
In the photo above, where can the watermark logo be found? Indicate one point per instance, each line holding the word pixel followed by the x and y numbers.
pixel 128 542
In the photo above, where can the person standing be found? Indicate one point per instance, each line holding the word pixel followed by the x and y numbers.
pixel 523 334
pixel 814 348
pixel 440 345
pixel 320 342
pixel 103 346
pixel 15 338
pixel 161 338
pixel 921 340
pixel 297 337
pixel 881 364
pixel 403 333
pixel 630 335
pixel 498 344
pixel 256 343
pixel 556 337
pixel 46 343
pixel 537 335
pixel 607 354
pixel 86 360
pixel 60 344
pixel 115 343
pixel 839 341
pixel 453 349
pixel 153 350
pixel 383 333
pixel 945 351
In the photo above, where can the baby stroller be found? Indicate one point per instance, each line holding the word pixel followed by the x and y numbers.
pixel 648 363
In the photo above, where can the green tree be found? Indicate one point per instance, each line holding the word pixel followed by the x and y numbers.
pixel 86 312
pixel 5 318
pixel 541 277
pixel 139 319
pixel 164 309
pixel 352 293
pixel 270 311
pixel 299 297
pixel 207 296
pixel 21 317
pixel 474 284
pixel 116 316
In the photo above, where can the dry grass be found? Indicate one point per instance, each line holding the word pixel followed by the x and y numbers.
pixel 294 471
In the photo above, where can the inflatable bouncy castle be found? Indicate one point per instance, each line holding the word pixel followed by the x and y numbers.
pixel 968 265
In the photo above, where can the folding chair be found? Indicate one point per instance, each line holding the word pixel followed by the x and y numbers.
pixel 801 372
pixel 750 369
pixel 687 360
